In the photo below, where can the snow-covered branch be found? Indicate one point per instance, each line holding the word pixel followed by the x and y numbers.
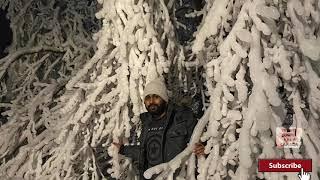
pixel 6 61
pixel 65 93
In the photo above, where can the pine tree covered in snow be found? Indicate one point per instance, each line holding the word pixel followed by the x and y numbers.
pixel 254 64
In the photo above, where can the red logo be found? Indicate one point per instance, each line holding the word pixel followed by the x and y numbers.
pixel 284 165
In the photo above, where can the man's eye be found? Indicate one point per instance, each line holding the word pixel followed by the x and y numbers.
pixel 147 97
pixel 156 96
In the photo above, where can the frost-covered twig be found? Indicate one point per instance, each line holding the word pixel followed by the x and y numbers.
pixel 6 61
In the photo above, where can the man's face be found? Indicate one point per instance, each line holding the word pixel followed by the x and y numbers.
pixel 155 104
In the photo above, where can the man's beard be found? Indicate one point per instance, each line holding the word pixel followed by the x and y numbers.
pixel 156 110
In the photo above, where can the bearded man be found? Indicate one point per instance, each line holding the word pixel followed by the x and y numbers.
pixel 166 130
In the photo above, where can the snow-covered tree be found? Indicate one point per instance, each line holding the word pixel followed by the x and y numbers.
pixel 65 94
pixel 52 40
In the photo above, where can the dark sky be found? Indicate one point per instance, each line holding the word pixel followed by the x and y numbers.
pixel 5 34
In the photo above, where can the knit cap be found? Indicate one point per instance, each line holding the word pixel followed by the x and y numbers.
pixel 158 87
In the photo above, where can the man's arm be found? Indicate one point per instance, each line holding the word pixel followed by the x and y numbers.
pixel 191 123
pixel 130 151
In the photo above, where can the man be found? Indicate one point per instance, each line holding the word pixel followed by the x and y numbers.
pixel 166 130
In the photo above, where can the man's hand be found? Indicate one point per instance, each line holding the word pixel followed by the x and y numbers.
pixel 198 149
pixel 303 175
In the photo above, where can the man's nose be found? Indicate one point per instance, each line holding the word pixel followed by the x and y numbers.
pixel 152 99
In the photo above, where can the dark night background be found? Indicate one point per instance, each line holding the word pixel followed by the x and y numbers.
pixel 5 34
pixel 5 40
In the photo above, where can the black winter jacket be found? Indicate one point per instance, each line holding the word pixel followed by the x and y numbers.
pixel 177 131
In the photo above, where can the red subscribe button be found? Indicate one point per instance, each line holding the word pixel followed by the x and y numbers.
pixel 284 165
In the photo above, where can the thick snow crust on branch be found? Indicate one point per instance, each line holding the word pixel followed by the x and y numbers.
pixel 51 41
pixel 244 114
pixel 100 102
pixel 63 96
